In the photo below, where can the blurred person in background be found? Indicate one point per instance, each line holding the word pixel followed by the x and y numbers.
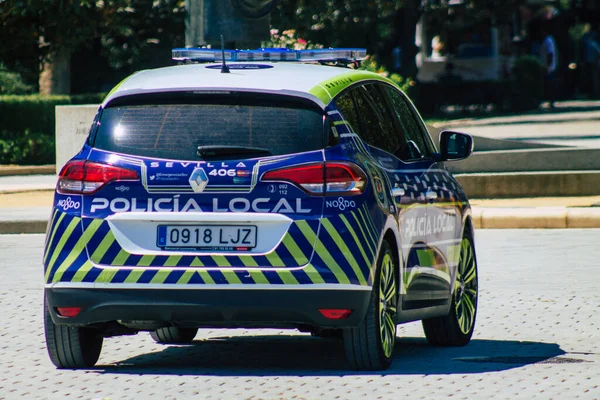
pixel 591 60
pixel 437 47
pixel 548 54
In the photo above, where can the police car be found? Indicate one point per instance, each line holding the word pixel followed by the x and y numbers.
pixel 259 189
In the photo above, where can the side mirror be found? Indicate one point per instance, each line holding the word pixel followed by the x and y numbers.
pixel 455 145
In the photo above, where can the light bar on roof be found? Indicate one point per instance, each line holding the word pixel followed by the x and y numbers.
pixel 267 54
pixel 202 55
pixel 213 55
pixel 332 54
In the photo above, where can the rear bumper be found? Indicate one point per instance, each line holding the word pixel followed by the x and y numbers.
pixel 227 307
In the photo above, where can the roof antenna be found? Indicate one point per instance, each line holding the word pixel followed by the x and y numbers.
pixel 224 69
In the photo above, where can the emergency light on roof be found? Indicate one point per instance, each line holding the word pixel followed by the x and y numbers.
pixel 322 55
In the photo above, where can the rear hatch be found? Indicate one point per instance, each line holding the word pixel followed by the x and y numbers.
pixel 209 191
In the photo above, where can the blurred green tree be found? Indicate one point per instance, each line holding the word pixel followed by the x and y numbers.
pixel 12 83
pixel 126 35
pixel 49 32
pixel 380 26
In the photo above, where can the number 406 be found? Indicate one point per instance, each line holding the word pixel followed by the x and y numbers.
pixel 222 172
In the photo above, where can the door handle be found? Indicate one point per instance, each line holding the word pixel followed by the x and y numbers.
pixel 431 195
pixel 397 192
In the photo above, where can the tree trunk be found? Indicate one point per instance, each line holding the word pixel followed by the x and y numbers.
pixel 55 77
pixel 412 13
pixel 402 37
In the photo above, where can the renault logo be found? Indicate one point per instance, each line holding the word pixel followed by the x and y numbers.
pixel 198 180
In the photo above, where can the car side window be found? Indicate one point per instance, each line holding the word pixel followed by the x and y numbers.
pixel 416 145
pixel 93 128
pixel 387 137
pixel 362 116
pixel 373 128
pixel 345 105
pixel 369 116
pixel 333 137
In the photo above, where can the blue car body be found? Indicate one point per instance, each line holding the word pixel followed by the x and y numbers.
pixel 216 203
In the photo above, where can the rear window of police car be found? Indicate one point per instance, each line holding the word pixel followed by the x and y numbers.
pixel 175 127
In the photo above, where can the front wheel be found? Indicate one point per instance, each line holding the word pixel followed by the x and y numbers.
pixel 370 346
pixel 71 347
pixel 456 328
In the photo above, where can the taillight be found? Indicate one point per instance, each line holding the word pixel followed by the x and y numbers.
pixel 335 178
pixel 335 313
pixel 86 177
pixel 345 178
pixel 310 176
pixel 68 312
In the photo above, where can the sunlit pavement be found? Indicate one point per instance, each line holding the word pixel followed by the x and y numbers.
pixel 537 335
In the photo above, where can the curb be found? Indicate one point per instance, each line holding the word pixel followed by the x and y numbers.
pixel 28 190
pixel 18 227
pixel 528 160
pixel 483 218
pixel 536 218
pixel 27 170
pixel 530 184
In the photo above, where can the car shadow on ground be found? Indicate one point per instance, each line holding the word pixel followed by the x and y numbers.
pixel 297 355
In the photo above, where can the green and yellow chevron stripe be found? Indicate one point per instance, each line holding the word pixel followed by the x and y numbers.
pixel 349 245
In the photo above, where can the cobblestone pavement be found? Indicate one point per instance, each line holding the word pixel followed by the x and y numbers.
pixel 537 336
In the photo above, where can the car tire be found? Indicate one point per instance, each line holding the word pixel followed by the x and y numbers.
pixel 370 346
pixel 71 347
pixel 456 328
pixel 174 335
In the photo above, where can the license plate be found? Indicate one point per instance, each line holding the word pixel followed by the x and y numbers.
pixel 207 237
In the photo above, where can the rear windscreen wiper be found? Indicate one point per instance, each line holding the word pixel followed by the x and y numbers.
pixel 231 152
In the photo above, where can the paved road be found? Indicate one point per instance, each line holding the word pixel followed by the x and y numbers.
pixel 564 127
pixel 538 336
pixel 19 183
pixel 583 134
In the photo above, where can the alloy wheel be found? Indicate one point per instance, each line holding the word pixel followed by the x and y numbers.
pixel 466 287
pixel 388 305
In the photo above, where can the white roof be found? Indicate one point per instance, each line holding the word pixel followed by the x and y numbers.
pixel 283 78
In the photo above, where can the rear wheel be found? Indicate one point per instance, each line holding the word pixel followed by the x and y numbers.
pixel 174 335
pixel 71 347
pixel 456 328
pixel 370 345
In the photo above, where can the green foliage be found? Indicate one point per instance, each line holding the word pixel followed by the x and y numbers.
pixel 35 113
pixel 27 126
pixel 380 26
pixel 288 40
pixel 577 31
pixel 128 24
pixel 527 84
pixel 11 83
pixel 27 148
pixel 339 23
pixel 139 34
pixel 405 84
pixel 125 35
